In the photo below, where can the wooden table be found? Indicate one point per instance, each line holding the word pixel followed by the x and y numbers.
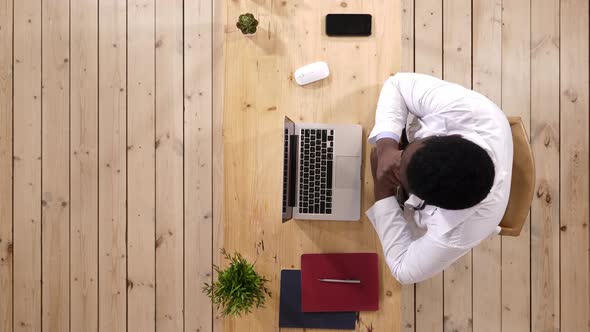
pixel 259 92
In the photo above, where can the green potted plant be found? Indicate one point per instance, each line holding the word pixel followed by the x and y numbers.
pixel 248 24
pixel 238 288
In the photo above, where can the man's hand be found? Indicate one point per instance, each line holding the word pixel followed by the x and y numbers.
pixel 388 162
pixel 381 188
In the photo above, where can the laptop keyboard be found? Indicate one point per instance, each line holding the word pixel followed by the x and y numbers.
pixel 315 171
pixel 285 169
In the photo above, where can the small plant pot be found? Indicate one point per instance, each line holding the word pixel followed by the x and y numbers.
pixel 246 23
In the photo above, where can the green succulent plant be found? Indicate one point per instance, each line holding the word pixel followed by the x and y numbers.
pixel 239 288
pixel 247 23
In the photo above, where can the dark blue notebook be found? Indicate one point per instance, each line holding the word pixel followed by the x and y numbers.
pixel 290 314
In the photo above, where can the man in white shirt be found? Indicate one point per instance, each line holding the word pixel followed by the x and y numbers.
pixel 455 171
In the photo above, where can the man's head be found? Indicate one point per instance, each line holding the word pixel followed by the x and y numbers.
pixel 447 171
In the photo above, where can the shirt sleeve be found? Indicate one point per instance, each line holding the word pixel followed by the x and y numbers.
pixel 387 134
pixel 411 259
pixel 405 93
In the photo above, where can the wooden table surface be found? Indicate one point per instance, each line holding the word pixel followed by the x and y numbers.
pixel 259 92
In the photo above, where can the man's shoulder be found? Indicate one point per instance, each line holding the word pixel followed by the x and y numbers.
pixel 465 228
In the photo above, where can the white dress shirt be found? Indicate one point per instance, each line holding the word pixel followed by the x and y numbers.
pixel 418 244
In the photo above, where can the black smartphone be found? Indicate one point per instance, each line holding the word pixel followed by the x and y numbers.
pixel 348 24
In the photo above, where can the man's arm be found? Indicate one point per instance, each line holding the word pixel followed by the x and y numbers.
pixel 405 93
pixel 391 113
pixel 410 259
pixel 413 93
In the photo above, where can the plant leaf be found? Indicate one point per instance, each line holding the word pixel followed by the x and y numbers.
pixel 238 288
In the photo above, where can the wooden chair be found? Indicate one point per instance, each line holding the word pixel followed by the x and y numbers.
pixel 523 181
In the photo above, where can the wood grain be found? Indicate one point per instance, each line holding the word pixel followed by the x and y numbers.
pixel 105 33
pixel 112 166
pixel 218 50
pixel 428 32
pixel 487 71
pixel 6 142
pixel 27 166
pixel 169 166
pixel 84 166
pixel 198 173
pixel 388 61
pixel 408 308
pixel 141 165
pixel 407 26
pixel 516 309
pixel 259 91
pixel 457 279
pixel 408 292
pixel 575 278
pixel 248 220
pixel 55 209
pixel 545 132
pixel 429 60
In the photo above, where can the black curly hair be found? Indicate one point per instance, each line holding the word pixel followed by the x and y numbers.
pixel 450 172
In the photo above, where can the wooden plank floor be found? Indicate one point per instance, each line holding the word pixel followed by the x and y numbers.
pixel 106 172
pixel 111 160
pixel 530 57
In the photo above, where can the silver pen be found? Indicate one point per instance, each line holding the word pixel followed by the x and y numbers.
pixel 341 281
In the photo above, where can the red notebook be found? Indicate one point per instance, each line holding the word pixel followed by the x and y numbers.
pixel 319 296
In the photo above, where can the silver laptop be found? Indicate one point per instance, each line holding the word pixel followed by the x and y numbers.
pixel 321 171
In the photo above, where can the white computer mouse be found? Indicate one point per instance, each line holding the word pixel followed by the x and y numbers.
pixel 311 73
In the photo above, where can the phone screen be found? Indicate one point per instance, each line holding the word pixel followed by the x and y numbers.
pixel 348 24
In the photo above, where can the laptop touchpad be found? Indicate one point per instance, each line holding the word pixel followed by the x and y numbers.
pixel 347 172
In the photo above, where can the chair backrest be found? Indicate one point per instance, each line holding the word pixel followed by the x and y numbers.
pixel 523 181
